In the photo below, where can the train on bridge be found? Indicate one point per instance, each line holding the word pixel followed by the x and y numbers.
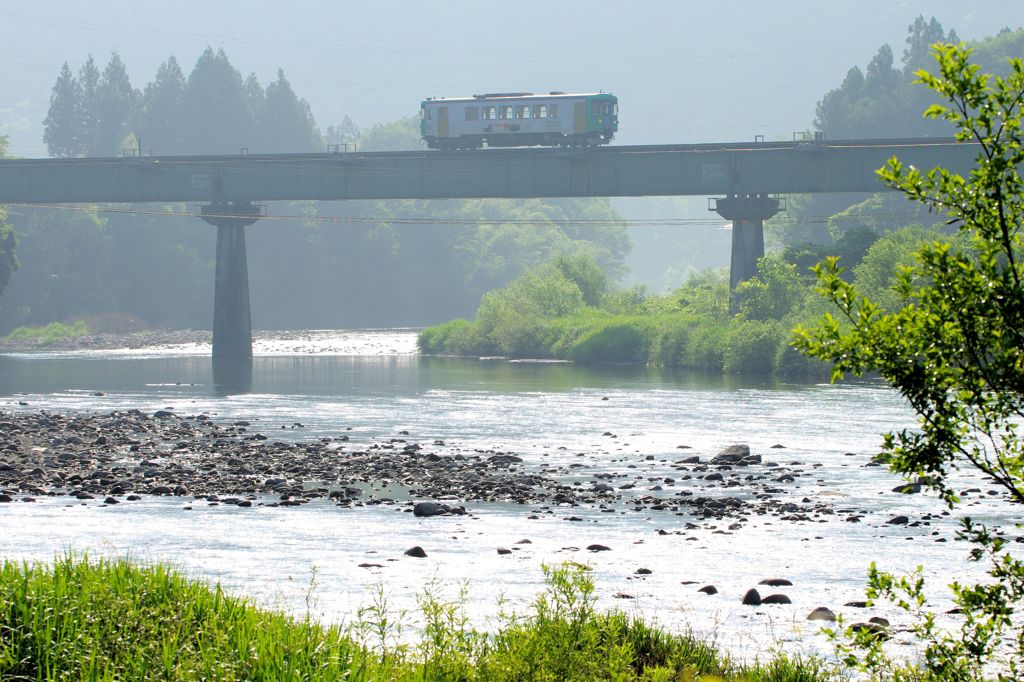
pixel 519 119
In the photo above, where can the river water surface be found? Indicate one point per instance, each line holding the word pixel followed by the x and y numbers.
pixel 629 422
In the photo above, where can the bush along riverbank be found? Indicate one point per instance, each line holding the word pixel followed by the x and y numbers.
pixel 564 311
pixel 82 619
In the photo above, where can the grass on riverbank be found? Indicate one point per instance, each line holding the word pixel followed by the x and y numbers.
pixel 99 620
pixel 55 331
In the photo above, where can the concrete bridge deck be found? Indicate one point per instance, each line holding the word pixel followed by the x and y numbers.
pixel 661 170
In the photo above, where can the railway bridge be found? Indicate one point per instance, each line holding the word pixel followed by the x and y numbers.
pixel 743 180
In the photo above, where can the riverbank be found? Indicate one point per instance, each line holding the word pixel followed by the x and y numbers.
pixel 87 619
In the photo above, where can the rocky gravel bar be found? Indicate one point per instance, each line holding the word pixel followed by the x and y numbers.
pixel 120 456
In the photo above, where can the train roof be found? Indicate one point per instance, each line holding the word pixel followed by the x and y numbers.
pixel 502 96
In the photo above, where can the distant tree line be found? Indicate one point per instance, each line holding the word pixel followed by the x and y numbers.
pixel 884 100
pixel 329 264
pixel 213 111
pixel 881 101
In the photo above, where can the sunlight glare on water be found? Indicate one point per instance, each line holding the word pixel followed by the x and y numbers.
pixel 628 423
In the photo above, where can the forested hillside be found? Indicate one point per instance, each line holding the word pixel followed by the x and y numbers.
pixel 310 264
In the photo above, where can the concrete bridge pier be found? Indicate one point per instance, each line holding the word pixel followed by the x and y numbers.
pixel 232 324
pixel 747 214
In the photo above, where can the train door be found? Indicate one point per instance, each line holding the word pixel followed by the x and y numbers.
pixel 580 115
pixel 442 121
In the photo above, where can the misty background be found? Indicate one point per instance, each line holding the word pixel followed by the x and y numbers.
pixel 684 73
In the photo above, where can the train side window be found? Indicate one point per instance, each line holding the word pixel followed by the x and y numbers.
pixel 540 111
pixel 595 108
pixel 553 111
pixel 523 111
pixel 489 113
pixel 472 113
pixel 505 113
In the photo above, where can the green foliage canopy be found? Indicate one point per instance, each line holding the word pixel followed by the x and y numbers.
pixel 955 349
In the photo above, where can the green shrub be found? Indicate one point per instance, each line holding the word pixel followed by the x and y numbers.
pixel 705 346
pixel 620 342
pixel 668 347
pixel 751 346
pixel 55 331
pixel 455 337
pixel 792 364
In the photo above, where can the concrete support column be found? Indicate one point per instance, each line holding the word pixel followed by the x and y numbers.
pixel 747 214
pixel 232 325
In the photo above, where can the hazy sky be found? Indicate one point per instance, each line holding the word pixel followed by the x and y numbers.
pixel 684 71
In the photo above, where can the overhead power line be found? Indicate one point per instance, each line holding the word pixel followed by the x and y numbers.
pixel 441 220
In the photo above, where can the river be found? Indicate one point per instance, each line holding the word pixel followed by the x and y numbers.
pixel 625 423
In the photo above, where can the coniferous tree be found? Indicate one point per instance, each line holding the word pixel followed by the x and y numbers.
pixel 286 123
pixel 115 108
pixel 60 128
pixel 87 115
pixel 254 101
pixel 160 118
pixel 217 116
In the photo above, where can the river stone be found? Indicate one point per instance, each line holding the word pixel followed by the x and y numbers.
pixel 428 509
pixel 822 613
pixel 898 520
pixel 857 604
pixel 872 628
pixel 878 620
pixel 752 598
pixel 709 589
pixel 776 599
pixel 643 571
pixel 598 548
pixel 732 454
pixel 907 488
pixel 417 552
pixel 6 498
pixel 776 582
pixel 504 550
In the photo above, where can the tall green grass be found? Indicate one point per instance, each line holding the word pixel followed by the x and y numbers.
pixel 55 331
pixel 111 620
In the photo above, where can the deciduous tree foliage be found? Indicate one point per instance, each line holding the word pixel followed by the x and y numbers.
pixel 955 351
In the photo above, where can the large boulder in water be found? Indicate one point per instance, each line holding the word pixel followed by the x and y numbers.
pixel 436 509
pixel 428 509
pixel 732 454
